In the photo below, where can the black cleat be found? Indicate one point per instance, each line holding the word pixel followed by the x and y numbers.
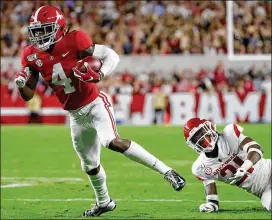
pixel 97 211
pixel 177 181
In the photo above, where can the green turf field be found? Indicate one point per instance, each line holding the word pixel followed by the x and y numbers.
pixel 41 177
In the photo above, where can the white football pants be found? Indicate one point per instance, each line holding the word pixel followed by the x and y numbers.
pixel 92 125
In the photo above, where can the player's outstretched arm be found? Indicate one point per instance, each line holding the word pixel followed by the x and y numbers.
pixel 254 154
pixel 212 199
pixel 26 82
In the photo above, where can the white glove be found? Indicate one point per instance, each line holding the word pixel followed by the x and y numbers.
pixel 208 207
pixel 238 175
pixel 21 77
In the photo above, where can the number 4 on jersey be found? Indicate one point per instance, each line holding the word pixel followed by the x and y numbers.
pixel 59 79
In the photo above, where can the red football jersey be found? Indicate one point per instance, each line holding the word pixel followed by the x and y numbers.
pixel 56 69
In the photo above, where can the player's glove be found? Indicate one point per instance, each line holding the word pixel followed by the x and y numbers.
pixel 238 175
pixel 208 207
pixel 21 78
pixel 89 76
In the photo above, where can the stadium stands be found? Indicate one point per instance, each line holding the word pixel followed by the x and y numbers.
pixel 149 27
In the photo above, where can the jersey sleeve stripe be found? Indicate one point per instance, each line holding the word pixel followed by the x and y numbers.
pixel 236 130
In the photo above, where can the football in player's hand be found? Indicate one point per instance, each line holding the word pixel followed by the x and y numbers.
pixel 93 62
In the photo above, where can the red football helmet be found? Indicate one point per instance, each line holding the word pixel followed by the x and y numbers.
pixel 47 26
pixel 200 135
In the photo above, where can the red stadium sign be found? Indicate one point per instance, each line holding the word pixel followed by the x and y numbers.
pixel 138 109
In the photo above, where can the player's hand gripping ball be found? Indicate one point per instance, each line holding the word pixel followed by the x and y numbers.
pixel 88 70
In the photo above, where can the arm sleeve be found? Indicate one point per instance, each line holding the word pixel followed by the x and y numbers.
pixel 84 41
pixel 108 56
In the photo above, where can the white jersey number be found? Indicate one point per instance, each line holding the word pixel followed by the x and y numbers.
pixel 57 74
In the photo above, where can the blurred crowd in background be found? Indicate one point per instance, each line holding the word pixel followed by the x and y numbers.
pixel 149 27
pixel 252 27
pixel 205 80
pixel 186 80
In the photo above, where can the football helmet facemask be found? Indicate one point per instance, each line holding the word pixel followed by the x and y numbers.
pixel 200 135
pixel 47 26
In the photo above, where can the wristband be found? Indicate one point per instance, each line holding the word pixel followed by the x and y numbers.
pixel 247 165
pixel 212 197
pixel 247 145
pixel 256 150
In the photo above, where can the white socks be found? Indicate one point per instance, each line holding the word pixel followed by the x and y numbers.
pixel 137 153
pixel 98 183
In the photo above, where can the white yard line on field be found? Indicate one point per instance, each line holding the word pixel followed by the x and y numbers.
pixel 42 179
pixel 128 200
pixel 32 181
pixel 43 171
pixel 13 185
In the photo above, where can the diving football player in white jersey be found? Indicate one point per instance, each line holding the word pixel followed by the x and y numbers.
pixel 230 157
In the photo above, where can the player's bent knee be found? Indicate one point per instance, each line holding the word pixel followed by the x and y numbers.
pixel 119 145
pixel 94 171
pixel 106 143
pixel 88 166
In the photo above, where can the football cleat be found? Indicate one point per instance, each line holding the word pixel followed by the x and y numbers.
pixel 177 181
pixel 97 211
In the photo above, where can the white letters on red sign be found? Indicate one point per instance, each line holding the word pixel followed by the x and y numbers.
pixel 209 107
pixel 249 107
pixel 182 107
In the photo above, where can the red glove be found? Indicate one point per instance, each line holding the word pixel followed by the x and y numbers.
pixel 21 77
pixel 89 76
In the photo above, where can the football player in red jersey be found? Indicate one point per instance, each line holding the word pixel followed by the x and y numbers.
pixel 54 54
pixel 230 157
